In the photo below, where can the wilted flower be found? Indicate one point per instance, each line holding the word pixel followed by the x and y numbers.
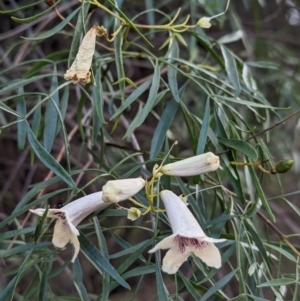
pixel 192 166
pixel 119 190
pixel 69 216
pixel 188 238
pixel 80 69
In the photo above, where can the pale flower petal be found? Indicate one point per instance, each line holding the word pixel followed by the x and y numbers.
pixel 180 217
pixel 192 166
pixel 188 238
pixel 173 261
pixel 166 243
pixel 120 190
pixel 84 206
pixel 62 234
pixel 69 217
pixel 209 255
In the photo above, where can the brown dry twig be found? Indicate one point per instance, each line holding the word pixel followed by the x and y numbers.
pixel 262 216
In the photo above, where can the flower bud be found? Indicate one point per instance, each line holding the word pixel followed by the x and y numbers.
pixel 133 213
pixel 119 190
pixel 204 22
pixel 283 166
pixel 192 166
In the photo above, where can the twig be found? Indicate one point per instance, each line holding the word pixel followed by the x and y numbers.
pixel 274 125
pixel 263 217
pixel 265 130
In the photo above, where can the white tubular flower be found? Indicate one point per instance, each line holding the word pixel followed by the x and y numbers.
pixel 188 238
pixel 120 190
pixel 192 166
pixel 80 69
pixel 69 217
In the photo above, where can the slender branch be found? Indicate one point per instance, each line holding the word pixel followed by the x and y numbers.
pixel 264 131
pixel 263 217
pixel 274 125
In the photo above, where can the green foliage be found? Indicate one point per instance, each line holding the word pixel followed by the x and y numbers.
pixel 156 78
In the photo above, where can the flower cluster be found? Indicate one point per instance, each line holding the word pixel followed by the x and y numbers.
pixel 73 213
pixel 188 238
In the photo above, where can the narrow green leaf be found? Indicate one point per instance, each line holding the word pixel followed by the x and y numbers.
pixel 260 192
pixel 17 232
pixel 162 128
pixel 9 11
pixel 37 16
pixel 172 71
pixel 98 96
pixel 218 285
pixel 241 146
pixel 36 120
pixel 231 70
pixel 63 105
pixel 283 252
pixel 77 279
pixel 278 282
pixel 128 249
pixel 6 108
pixel 240 101
pixel 131 98
pixel 34 191
pixel 133 257
pixel 97 125
pixel 140 271
pixel 40 224
pixel 43 289
pixel 47 60
pixel 203 40
pixel 24 248
pixel 104 251
pixel 295 208
pixel 189 286
pixel 192 125
pixel 9 291
pixel 161 292
pixel 265 65
pixel 51 114
pixel 204 129
pixel 257 240
pixel 22 82
pixel 34 203
pixel 257 298
pixel 248 80
pixel 99 261
pixel 48 160
pixel 55 29
pixel 141 116
pixel 242 297
pixel 232 170
pixel 21 109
